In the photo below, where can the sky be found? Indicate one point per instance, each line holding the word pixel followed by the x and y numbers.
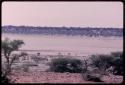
pixel 57 14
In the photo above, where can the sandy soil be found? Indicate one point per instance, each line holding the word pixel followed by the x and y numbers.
pixel 51 77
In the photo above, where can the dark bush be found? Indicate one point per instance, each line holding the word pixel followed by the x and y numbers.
pixel 103 62
pixel 117 63
pixel 100 64
pixel 66 65
pixel 91 76
pixel 5 79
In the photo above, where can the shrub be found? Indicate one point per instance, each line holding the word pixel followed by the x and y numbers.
pixel 25 67
pixel 66 65
pixel 103 62
pixel 117 63
pixel 5 79
pixel 91 76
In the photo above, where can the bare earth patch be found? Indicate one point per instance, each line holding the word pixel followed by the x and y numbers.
pixel 52 77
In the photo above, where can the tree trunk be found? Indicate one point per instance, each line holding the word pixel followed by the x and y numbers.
pixel 8 67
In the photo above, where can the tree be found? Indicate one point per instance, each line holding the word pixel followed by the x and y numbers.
pixel 8 47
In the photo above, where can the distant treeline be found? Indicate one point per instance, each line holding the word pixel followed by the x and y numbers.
pixel 86 31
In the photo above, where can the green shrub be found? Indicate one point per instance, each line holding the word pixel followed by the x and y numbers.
pixel 66 65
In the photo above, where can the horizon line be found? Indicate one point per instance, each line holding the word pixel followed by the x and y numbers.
pixel 61 26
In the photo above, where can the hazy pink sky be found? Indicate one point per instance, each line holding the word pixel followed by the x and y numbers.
pixel 83 14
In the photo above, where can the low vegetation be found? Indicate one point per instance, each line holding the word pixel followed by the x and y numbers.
pixel 105 65
pixel 101 65
pixel 112 62
pixel 66 65
pixel 117 63
pixel 92 69
pixel 4 79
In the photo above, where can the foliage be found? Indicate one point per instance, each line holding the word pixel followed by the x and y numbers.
pixel 117 63
pixel 23 54
pixel 5 79
pixel 25 67
pixel 91 76
pixel 37 59
pixel 103 62
pixel 66 65
pixel 8 47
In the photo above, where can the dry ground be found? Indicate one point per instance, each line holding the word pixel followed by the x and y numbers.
pixel 51 77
